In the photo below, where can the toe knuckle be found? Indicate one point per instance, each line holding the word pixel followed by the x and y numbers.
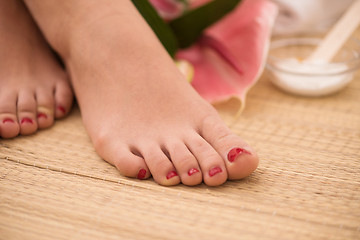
pixel 200 146
pixel 185 161
pixel 224 136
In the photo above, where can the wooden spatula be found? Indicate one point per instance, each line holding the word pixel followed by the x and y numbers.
pixel 338 35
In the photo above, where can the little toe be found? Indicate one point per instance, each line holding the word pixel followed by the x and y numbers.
pixel 63 99
pixel 185 163
pixel 26 112
pixel 211 163
pixel 240 159
pixel 120 155
pixel 45 108
pixel 131 165
pixel 161 168
pixel 9 126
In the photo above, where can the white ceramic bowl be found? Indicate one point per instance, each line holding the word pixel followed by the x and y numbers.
pixel 289 70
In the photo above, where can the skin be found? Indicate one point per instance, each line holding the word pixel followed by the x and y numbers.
pixel 34 88
pixel 139 111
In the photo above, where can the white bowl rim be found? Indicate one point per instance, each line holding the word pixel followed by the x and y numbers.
pixel 354 63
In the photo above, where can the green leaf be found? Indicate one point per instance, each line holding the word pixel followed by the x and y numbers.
pixel 161 29
pixel 189 27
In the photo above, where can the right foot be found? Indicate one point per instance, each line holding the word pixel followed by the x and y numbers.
pixel 140 112
pixel 33 87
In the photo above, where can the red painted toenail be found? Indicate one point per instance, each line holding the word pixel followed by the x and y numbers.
pixel 62 109
pixel 192 171
pixel 8 120
pixel 232 155
pixel 26 120
pixel 141 174
pixel 171 175
pixel 214 171
pixel 42 115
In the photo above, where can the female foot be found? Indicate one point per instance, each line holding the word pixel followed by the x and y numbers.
pixel 33 87
pixel 140 112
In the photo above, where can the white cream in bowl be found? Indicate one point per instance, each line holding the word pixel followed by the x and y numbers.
pixel 310 78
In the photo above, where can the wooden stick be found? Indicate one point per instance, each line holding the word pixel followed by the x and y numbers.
pixel 338 35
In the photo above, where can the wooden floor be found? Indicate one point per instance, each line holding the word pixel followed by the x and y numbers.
pixel 54 186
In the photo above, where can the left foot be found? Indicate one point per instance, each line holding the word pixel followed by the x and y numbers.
pixel 33 87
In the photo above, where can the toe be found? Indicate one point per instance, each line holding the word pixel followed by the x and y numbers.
pixel 9 126
pixel 240 159
pixel 26 111
pixel 131 165
pixel 63 99
pixel 211 163
pixel 185 163
pixel 45 108
pixel 119 155
pixel 162 170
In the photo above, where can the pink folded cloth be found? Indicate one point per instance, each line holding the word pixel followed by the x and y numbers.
pixel 229 56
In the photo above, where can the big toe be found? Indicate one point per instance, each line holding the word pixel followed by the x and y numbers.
pixel 9 126
pixel 239 157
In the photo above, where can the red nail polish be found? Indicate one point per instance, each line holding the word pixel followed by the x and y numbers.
pixel 141 174
pixel 171 175
pixel 9 120
pixel 214 171
pixel 61 108
pixel 192 171
pixel 42 115
pixel 26 120
pixel 232 155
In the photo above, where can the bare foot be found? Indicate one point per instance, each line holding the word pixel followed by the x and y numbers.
pixel 140 112
pixel 33 87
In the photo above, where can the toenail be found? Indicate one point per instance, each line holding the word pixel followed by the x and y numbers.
pixel 232 155
pixel 171 175
pixel 26 120
pixel 8 120
pixel 42 115
pixel 62 109
pixel 214 171
pixel 192 171
pixel 141 174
